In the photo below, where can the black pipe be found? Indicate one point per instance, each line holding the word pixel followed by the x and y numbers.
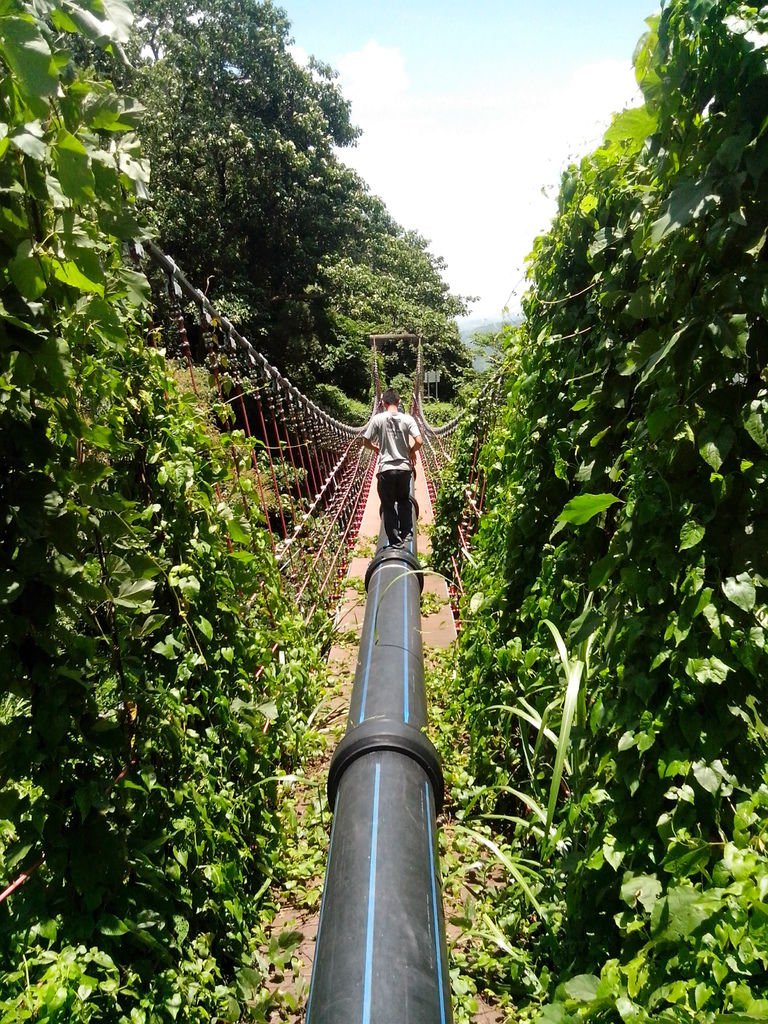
pixel 380 955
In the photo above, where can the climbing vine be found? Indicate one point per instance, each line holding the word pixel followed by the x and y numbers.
pixel 627 519
pixel 156 679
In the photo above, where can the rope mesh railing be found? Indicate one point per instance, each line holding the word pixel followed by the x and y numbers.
pixel 309 472
pixel 438 441
pixel 440 449
pixel 474 490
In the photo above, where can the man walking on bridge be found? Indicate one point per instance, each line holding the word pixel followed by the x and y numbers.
pixel 395 436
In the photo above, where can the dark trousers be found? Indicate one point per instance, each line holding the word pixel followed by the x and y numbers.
pixel 395 493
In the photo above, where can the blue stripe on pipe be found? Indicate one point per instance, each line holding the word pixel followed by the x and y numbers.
pixel 433 880
pixel 320 922
pixel 369 652
pixel 368 976
pixel 406 639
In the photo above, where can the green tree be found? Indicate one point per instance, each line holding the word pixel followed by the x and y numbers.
pixel 250 197
pixel 246 189
pixel 144 709
pixel 392 284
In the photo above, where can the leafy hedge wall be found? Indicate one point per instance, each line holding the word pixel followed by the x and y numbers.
pixel 628 503
pixel 155 678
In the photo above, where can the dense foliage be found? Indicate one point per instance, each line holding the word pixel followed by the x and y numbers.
pixel 249 195
pixel 155 677
pixel 627 505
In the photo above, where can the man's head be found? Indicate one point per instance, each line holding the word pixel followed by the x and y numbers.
pixel 390 397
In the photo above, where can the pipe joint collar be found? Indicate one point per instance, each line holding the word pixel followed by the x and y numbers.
pixel 377 734
pixel 399 555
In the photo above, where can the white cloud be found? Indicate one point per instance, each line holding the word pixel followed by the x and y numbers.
pixel 299 54
pixel 468 170
pixel 374 78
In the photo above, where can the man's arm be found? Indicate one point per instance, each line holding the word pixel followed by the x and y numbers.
pixel 418 442
pixel 368 435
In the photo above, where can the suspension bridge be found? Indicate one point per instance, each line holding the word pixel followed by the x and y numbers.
pixel 380 952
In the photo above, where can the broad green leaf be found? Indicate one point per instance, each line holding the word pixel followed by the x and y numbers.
pixel 639 351
pixel 715 446
pixel 642 889
pixel 55 192
pixel 28 56
pixel 631 127
pixel 149 625
pixel 169 647
pixel 112 926
pixel 69 273
pixel 660 355
pixel 87 23
pixel 236 532
pixel 707 670
pixel 249 982
pixel 640 306
pixel 54 365
pixel 184 580
pixel 707 778
pixel 136 594
pixel 627 740
pixel 601 571
pixel 21 324
pixel 99 436
pixel 269 710
pixel 73 167
pixel 120 18
pixel 110 113
pixel 28 273
pixel 582 988
pixel 686 203
pixel 756 423
pixel 114 27
pixel 684 859
pixel 15 854
pixel 739 327
pixel 682 911
pixel 205 627
pixel 62 21
pixel 690 535
pixel 135 286
pixel 581 509
pixel 740 590
pixel 555 1013
pixel 628 1011
pixel 614 857
pixel 30 144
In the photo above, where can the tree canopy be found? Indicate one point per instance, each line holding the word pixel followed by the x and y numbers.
pixel 251 198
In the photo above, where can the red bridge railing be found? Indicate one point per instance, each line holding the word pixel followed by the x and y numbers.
pixel 309 471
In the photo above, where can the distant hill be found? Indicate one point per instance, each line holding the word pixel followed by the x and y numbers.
pixel 471 325
pixel 468 328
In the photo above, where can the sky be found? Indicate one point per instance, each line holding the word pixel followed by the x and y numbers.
pixel 470 111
